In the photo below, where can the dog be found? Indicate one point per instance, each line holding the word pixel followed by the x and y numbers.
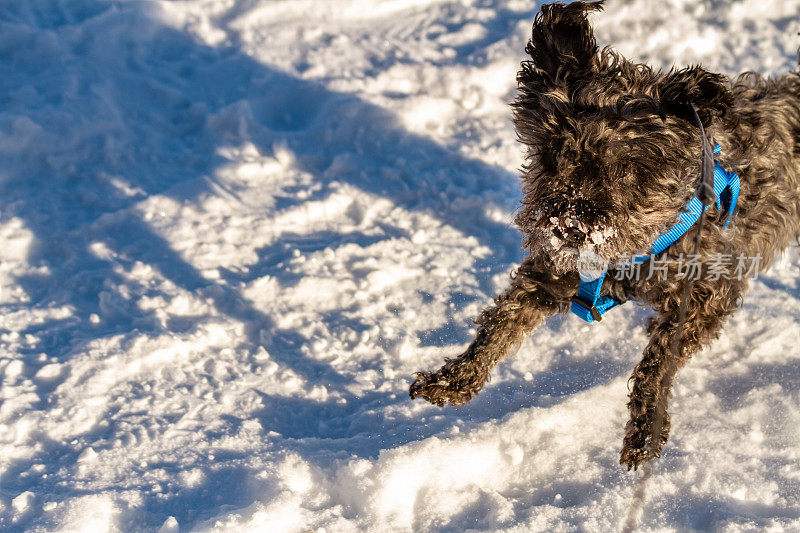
pixel 614 156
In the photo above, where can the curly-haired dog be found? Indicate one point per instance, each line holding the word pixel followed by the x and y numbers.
pixel 613 158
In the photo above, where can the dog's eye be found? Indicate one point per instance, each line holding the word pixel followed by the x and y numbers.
pixel 548 154
pixel 625 171
pixel 549 163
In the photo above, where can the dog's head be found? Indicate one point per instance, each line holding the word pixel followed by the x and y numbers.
pixel 613 150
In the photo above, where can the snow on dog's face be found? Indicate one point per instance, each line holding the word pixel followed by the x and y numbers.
pixel 613 154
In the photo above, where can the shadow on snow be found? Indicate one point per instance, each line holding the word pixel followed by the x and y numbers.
pixel 138 102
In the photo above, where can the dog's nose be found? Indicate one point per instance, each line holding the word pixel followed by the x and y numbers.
pixel 575 235
pixel 572 236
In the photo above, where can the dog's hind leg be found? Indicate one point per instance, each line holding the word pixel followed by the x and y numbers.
pixel 710 302
pixel 534 295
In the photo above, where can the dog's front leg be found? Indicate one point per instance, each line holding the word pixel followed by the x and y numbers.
pixel 708 306
pixel 534 295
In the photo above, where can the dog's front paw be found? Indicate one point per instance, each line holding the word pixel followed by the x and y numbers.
pixel 440 388
pixel 638 446
pixel 634 457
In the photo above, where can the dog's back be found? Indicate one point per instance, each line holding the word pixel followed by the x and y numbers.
pixel 761 139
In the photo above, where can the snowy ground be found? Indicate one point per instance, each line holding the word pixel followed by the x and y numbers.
pixel 232 229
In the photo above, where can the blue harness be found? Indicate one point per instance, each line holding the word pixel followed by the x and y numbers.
pixel 590 306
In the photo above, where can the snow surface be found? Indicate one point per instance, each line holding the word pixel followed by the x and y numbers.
pixel 231 230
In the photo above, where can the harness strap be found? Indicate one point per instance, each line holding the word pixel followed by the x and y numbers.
pixel 590 306
pixel 731 185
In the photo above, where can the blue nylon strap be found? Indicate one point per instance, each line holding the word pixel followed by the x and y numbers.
pixel 725 183
pixel 590 306
pixel 589 292
pixel 733 187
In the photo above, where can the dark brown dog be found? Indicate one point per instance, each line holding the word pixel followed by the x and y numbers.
pixel 613 157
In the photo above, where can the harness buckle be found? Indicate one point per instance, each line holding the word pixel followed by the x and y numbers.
pixel 588 306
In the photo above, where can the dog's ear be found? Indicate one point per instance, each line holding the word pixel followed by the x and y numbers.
pixel 562 41
pixel 708 92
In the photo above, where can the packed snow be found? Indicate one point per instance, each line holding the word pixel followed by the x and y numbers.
pixel 231 230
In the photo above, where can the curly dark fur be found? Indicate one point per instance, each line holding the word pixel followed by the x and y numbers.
pixel 613 155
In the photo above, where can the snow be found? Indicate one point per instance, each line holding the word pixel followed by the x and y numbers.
pixel 232 230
